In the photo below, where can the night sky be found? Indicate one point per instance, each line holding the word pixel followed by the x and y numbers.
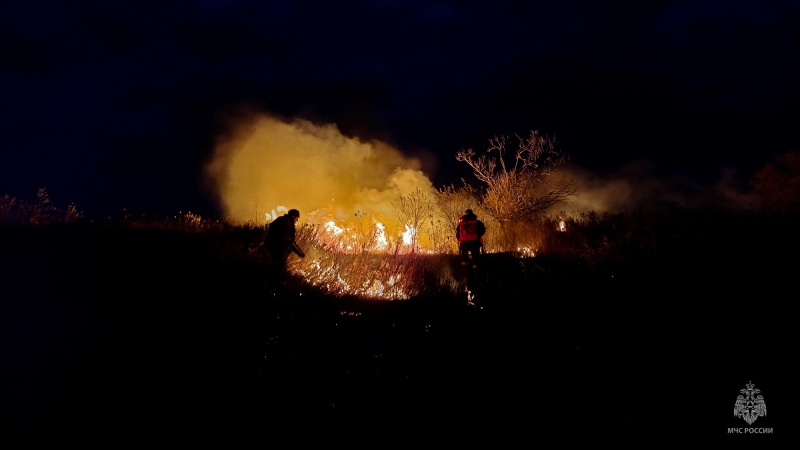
pixel 112 105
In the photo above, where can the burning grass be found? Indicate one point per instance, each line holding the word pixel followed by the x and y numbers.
pixel 344 262
pixel 362 259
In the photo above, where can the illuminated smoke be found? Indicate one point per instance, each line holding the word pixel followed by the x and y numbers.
pixel 262 166
pixel 265 166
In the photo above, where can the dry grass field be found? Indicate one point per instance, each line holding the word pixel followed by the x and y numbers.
pixel 143 333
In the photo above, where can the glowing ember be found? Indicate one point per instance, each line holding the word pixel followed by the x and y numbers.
pixel 526 252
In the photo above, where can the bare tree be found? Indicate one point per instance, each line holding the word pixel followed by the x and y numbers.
pixel 453 201
pixel 524 185
pixel 259 216
pixel 518 187
pixel 412 210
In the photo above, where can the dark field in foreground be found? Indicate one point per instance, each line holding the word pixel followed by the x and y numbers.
pixel 149 336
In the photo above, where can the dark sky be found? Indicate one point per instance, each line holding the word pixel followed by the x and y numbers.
pixel 112 105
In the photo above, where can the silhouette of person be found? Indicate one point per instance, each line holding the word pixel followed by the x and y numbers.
pixel 280 243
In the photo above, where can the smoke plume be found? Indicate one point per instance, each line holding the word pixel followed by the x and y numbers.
pixel 263 166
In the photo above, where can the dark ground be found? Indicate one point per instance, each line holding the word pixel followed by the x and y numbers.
pixel 150 336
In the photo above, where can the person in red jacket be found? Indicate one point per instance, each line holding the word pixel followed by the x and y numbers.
pixel 469 233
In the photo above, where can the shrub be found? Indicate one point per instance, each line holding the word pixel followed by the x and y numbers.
pixel 40 212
